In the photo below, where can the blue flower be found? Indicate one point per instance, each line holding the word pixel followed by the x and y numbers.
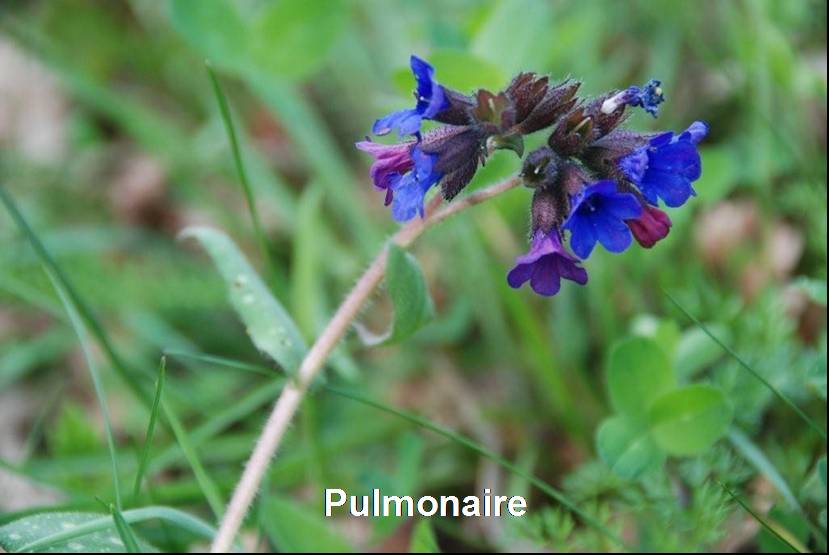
pixel 666 167
pixel 410 189
pixel 431 100
pixel 545 264
pixel 649 97
pixel 598 214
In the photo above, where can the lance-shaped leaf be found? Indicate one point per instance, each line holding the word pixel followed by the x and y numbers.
pixel 267 322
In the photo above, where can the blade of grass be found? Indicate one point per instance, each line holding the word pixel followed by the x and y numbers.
pixel 148 440
pixel 477 448
pixel 180 519
pixel 222 361
pixel 750 370
pixel 82 308
pixel 220 421
pixel 208 486
pixel 80 331
pixel 303 123
pixel 36 432
pixel 124 530
pixel 758 459
pixel 763 521
pixel 126 373
pixel 224 108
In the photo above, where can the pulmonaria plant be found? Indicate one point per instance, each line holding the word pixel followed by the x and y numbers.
pixel 594 181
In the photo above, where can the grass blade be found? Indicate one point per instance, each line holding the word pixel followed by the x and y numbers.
pixel 473 446
pixel 758 459
pixel 77 301
pixel 224 108
pixel 148 440
pixel 222 361
pixel 80 331
pixel 771 529
pixel 812 424
pixel 121 367
pixel 124 530
pixel 207 485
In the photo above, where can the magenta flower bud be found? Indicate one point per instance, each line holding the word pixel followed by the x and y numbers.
pixel 652 226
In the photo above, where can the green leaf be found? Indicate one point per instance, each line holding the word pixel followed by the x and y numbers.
pixel 664 332
pixel 790 532
pixel 409 294
pixel 148 439
pixel 124 531
pixel 627 447
pixel 100 394
pixel 753 454
pixel 230 129
pixel 127 373
pixel 786 540
pixel 212 27
pixel 689 420
pixel 268 324
pixel 296 529
pixel 638 372
pixel 25 531
pixel 791 404
pixel 696 350
pixel 293 37
pixel 306 286
pixel 423 538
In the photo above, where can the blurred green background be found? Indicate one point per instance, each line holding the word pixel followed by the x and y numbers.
pixel 111 141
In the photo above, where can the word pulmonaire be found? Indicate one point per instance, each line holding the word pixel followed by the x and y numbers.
pixel 378 504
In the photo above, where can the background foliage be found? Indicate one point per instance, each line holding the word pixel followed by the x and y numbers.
pixel 111 141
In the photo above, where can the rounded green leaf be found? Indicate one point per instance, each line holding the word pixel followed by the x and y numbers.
pixel 626 446
pixel 689 420
pixel 638 372
pixel 665 332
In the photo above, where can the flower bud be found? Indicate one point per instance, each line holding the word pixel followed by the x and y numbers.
pixel 572 134
pixel 458 109
pixel 549 208
pixel 537 104
pixel 651 226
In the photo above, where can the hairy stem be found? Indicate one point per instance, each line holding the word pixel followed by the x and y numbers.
pixel 294 391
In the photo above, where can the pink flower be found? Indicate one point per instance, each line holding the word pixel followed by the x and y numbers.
pixel 390 163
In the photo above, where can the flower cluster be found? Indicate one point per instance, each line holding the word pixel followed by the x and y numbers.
pixel 594 181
